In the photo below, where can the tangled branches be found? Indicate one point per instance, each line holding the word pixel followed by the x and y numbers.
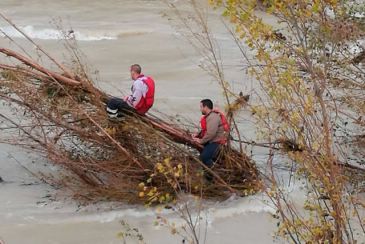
pixel 108 160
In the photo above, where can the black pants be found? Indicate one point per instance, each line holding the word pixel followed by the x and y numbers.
pixel 210 153
pixel 117 107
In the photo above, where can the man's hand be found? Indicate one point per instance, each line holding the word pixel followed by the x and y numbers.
pixel 197 140
pixel 126 98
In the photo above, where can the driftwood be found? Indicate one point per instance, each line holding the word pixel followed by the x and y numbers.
pixel 34 65
pixel 106 159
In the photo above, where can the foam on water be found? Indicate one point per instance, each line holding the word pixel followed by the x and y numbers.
pixel 237 207
pixel 212 212
pixel 53 34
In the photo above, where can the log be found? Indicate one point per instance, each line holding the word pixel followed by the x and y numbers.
pixel 179 135
pixel 38 67
pixel 66 71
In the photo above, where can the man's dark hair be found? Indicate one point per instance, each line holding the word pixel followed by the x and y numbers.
pixel 207 103
pixel 136 68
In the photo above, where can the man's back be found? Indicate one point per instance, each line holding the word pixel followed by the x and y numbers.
pixel 214 128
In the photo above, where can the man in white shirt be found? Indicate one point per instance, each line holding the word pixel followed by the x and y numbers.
pixel 141 99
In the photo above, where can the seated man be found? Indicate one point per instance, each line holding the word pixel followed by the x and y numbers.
pixel 141 99
pixel 213 134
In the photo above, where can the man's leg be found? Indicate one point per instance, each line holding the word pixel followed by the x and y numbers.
pixel 116 107
pixel 209 152
pixel 207 156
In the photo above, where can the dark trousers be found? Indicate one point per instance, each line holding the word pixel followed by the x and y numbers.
pixel 210 153
pixel 117 107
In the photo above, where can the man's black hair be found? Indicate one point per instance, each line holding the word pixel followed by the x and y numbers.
pixel 207 103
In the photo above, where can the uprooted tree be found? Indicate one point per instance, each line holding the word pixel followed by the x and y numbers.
pixel 61 114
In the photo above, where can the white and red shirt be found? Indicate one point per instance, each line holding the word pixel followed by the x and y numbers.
pixel 139 90
pixel 143 94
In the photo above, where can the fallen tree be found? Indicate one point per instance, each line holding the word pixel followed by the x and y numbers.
pixel 143 159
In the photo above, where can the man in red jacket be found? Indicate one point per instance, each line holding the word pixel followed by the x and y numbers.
pixel 213 134
pixel 141 99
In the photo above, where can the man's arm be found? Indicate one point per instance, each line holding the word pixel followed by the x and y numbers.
pixel 137 95
pixel 212 128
